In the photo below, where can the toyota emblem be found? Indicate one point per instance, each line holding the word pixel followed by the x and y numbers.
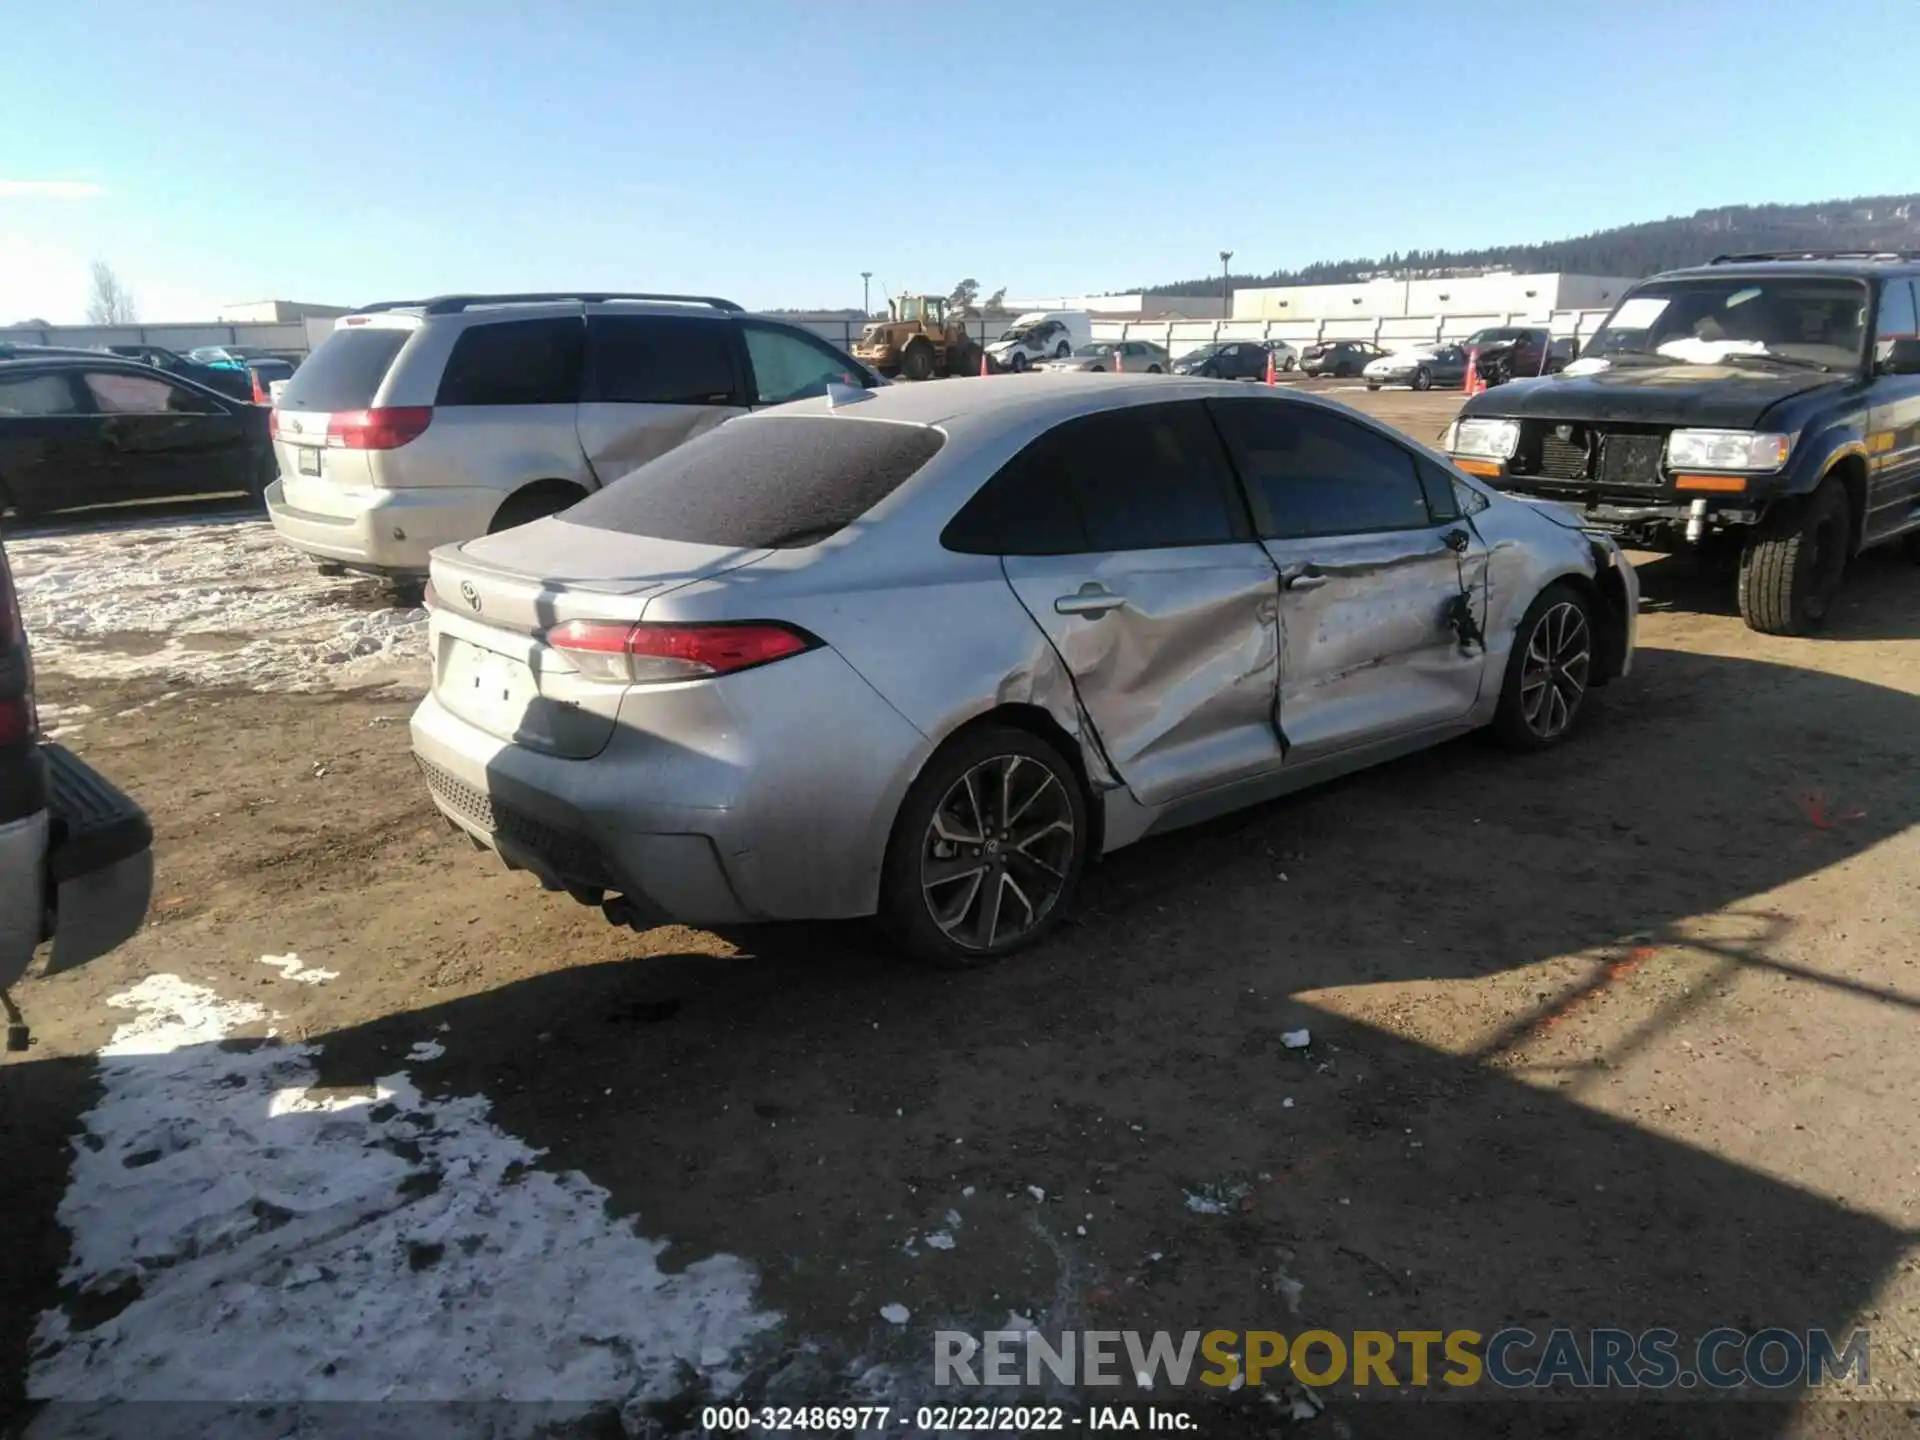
pixel 469 594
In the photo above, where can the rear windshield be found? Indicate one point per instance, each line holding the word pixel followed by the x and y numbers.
pixel 778 483
pixel 346 371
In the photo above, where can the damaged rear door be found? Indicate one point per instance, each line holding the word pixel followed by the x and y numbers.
pixel 653 382
pixel 1381 581
pixel 1124 536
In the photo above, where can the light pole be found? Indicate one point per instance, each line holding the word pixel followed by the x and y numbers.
pixel 866 294
pixel 1226 304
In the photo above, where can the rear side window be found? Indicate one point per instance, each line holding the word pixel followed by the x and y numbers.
pixel 346 371
pixel 1311 472
pixel 22 395
pixel 1144 478
pixel 660 360
pixel 778 483
pixel 512 362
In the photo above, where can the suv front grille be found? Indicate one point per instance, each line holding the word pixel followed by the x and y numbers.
pixel 569 856
pixel 1624 455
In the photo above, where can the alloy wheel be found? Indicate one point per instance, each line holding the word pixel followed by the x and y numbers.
pixel 998 851
pixel 1554 674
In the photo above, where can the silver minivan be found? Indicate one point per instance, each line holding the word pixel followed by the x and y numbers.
pixel 416 424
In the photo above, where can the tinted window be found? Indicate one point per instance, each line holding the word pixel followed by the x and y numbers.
pixel 345 372
pixel 1309 472
pixel 1896 319
pixel 779 482
pixel 1135 479
pixel 788 365
pixel 661 360
pixel 117 393
pixel 38 395
pixel 510 362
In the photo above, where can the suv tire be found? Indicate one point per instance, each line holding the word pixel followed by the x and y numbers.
pixel 1043 784
pixel 1790 569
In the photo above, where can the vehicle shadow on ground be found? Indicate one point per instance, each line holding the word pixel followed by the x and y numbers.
pixel 1876 601
pixel 815 1106
pixel 199 510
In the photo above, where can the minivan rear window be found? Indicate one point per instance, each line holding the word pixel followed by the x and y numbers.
pixel 774 483
pixel 346 371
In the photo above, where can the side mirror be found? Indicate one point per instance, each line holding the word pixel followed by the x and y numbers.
pixel 1901 357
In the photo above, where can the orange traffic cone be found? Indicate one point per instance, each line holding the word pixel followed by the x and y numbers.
pixel 1119 363
pixel 984 362
pixel 1273 369
pixel 1474 383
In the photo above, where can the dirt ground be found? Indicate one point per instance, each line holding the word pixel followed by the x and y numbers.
pixel 1613 1036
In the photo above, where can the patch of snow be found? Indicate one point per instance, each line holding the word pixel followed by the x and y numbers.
pixel 290 968
pixel 1217 1199
pixel 1296 1039
pixel 940 1240
pixel 424 1050
pixel 283 1245
pixel 1036 1192
pixel 895 1314
pixel 210 602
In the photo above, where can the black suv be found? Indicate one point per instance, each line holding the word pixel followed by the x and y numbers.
pixel 1771 398
pixel 75 860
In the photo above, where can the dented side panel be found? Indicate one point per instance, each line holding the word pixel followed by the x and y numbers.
pixel 1180 672
pixel 1369 650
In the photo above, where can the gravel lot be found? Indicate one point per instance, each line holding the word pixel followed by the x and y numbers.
pixel 1614 1036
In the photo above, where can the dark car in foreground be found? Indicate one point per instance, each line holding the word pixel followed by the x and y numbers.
pixel 1339 357
pixel 76 864
pixel 77 431
pixel 1770 399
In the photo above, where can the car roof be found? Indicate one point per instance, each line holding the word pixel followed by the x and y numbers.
pixel 1837 267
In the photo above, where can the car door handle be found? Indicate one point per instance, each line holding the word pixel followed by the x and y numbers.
pixel 1093 601
pixel 1307 577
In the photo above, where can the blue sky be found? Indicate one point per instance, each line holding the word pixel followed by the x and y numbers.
pixel 343 152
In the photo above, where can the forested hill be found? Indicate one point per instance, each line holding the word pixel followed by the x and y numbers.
pixel 1872 222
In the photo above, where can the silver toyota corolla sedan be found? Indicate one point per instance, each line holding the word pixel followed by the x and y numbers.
pixel 925 652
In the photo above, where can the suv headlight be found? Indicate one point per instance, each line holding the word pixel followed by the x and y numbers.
pixel 1488 439
pixel 1727 450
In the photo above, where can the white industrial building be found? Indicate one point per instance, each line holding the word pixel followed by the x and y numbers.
pixel 1385 299
pixel 1126 307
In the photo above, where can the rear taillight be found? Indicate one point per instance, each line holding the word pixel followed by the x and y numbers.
pixel 379 429
pixel 645 653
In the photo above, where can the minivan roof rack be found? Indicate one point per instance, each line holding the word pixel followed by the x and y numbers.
pixel 456 304
pixel 1895 255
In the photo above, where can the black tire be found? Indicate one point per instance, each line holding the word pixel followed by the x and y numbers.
pixel 1153 369
pixel 1423 379
pixel 1288 363
pixel 1062 350
pixel 917 363
pixel 1018 364
pixel 535 502
pixel 1527 717
pixel 409 594
pixel 1792 566
pixel 264 474
pixel 963 359
pixel 908 900
pixel 1372 386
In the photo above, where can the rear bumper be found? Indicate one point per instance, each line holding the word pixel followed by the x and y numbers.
pixel 767 795
pixel 388 532
pixel 79 873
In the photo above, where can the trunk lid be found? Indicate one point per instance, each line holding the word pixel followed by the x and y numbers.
pixel 494 599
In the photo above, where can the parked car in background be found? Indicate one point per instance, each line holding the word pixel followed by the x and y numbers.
pixel 419 423
pixel 927 652
pixel 1135 357
pixel 80 430
pixel 225 378
pixel 1769 400
pixel 1420 366
pixel 1227 360
pixel 1041 335
pixel 1516 352
pixel 76 864
pixel 1339 357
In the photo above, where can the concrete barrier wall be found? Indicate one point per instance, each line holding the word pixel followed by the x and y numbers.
pixel 291 338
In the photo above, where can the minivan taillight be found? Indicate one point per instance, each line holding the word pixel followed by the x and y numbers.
pixel 651 652
pixel 385 428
